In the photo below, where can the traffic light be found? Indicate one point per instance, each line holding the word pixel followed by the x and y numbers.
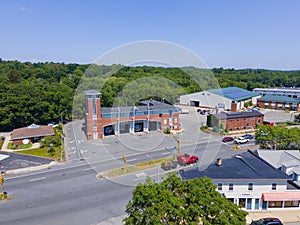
pixel 1 179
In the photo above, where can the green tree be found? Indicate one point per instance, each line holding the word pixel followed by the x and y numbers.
pixel 277 137
pixel 181 202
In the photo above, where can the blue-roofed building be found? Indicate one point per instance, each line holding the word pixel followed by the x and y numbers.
pixel 249 181
pixel 230 98
pixel 279 102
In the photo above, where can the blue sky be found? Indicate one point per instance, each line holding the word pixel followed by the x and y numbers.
pixel 229 34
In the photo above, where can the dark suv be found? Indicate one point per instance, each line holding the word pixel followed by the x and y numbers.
pixel 267 221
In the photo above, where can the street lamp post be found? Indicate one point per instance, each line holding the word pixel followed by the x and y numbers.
pixel 148 156
pixel 61 136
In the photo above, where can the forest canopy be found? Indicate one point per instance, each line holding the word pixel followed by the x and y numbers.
pixel 40 92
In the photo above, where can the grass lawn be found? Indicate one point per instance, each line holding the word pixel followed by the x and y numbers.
pixel 1 142
pixel 133 168
pixel 42 152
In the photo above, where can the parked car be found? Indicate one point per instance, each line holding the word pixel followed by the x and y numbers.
pixel 186 159
pixel 248 136
pixel 241 140
pixel 169 165
pixel 203 112
pixel 267 221
pixel 227 139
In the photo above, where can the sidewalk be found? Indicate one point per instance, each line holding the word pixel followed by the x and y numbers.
pixel 286 216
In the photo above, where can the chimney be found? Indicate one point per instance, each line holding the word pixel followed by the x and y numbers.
pixel 219 161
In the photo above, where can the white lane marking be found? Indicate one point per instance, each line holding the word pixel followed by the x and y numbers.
pixel 131 160
pixel 166 153
pixel 37 179
pixel 143 174
pixel 91 168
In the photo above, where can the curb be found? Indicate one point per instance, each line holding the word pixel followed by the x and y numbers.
pixel 29 169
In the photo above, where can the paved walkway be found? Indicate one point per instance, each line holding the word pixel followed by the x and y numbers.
pixel 286 216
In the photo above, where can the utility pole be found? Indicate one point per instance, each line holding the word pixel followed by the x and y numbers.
pixel 61 135
pixel 2 187
pixel 124 159
pixel 178 143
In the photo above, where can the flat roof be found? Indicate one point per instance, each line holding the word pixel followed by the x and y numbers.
pixel 246 165
pixel 91 92
pixel 234 93
pixel 233 115
pixel 286 89
pixel 278 98
pixel 144 106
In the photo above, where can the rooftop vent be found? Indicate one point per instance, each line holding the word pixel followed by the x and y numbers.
pixel 219 162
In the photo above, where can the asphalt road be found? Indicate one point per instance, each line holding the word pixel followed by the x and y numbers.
pixel 70 195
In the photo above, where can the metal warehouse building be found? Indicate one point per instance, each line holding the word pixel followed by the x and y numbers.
pixel 230 98
pixel 289 92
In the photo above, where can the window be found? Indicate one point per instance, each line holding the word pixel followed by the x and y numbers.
pixel 274 186
pixel 291 204
pixel 275 204
pixel 175 120
pixel 94 108
pixel 95 126
pixel 256 206
pixel 242 202
pixel 231 187
pixel 230 200
pixel 250 187
pixel 220 186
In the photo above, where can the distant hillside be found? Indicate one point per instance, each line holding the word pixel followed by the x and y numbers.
pixel 39 92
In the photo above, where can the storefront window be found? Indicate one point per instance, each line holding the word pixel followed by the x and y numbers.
pixel 291 204
pixel 242 202
pixel 275 204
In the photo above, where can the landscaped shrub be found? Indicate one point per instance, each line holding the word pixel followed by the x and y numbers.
pixel 167 130
pixel 12 146
pixel 24 146
pixel 54 140
pixel 204 128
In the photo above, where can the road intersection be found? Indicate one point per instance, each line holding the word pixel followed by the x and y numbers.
pixel 70 193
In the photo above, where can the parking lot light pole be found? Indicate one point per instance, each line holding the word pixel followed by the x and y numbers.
pixel 148 156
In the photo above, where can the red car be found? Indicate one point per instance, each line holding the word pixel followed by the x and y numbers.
pixel 186 159
pixel 227 139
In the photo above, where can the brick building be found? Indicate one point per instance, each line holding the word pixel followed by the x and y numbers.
pixel 31 134
pixel 279 102
pixel 149 115
pixel 237 120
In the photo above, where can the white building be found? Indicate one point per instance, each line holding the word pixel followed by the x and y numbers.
pixel 230 98
pixel 249 181
pixel 289 92
pixel 287 161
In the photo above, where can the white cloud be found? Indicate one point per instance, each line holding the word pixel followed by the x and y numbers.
pixel 23 8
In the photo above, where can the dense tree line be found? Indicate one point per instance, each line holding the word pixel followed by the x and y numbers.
pixel 39 92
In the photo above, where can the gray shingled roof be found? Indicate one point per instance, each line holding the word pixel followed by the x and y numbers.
pixel 247 165
pixel 31 132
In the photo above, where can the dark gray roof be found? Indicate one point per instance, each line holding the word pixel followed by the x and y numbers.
pixel 246 165
pixel 234 115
